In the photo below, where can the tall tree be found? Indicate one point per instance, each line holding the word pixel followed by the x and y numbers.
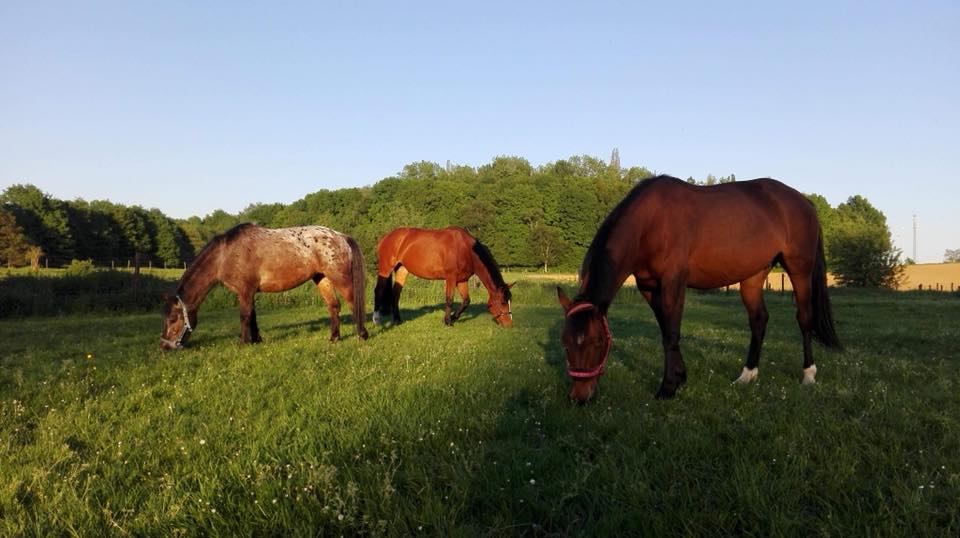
pixel 44 220
pixel 13 243
pixel 548 244
pixel 861 250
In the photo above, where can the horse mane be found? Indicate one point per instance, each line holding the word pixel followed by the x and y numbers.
pixel 208 250
pixel 596 262
pixel 486 257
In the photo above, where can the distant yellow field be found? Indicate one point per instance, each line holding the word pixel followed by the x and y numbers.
pixel 945 276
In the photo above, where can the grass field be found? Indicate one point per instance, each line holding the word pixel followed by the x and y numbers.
pixel 466 431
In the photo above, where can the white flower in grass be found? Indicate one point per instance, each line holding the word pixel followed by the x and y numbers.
pixel 203 441
pixel 533 482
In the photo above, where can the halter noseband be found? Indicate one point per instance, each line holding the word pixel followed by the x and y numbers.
pixel 590 373
pixel 509 312
pixel 178 343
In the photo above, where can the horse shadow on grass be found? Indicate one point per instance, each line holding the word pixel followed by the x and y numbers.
pixel 321 324
pixel 411 314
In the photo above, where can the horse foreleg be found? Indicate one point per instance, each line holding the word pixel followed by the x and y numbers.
pixel 751 293
pixel 448 304
pixel 464 289
pixel 254 328
pixel 248 324
pixel 333 305
pixel 668 307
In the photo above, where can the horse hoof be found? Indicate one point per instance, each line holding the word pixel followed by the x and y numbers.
pixel 748 375
pixel 335 338
pixel 809 375
pixel 363 334
pixel 664 393
pixel 376 318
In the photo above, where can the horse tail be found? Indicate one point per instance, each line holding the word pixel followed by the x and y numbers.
pixel 823 329
pixel 359 275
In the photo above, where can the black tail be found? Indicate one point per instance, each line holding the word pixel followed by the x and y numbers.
pixel 359 275
pixel 822 313
pixel 383 295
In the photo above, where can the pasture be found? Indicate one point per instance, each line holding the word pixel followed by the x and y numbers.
pixel 467 430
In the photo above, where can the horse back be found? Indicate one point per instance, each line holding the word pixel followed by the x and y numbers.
pixel 719 234
pixel 427 253
pixel 282 258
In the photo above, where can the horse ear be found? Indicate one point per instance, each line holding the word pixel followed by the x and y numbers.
pixel 564 300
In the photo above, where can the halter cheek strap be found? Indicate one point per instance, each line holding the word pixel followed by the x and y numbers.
pixel 590 373
pixel 178 343
pixel 509 312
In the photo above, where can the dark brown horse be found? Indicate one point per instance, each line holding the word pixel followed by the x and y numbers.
pixel 671 235
pixel 451 255
pixel 248 259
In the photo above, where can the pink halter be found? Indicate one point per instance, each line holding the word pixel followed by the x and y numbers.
pixel 590 373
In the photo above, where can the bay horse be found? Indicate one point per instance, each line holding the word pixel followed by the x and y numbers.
pixel 670 235
pixel 249 258
pixel 451 255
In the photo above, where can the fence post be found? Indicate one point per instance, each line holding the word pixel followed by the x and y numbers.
pixel 781 281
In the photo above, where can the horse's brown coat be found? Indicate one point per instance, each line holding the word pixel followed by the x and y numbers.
pixel 451 255
pixel 249 258
pixel 671 235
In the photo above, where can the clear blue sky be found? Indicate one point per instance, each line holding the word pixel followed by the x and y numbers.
pixel 191 108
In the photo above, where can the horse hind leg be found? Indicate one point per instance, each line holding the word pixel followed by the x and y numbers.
pixel 399 280
pixel 751 293
pixel 802 291
pixel 346 291
pixel 333 306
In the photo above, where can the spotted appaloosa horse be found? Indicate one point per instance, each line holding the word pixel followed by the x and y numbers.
pixel 450 254
pixel 671 235
pixel 249 258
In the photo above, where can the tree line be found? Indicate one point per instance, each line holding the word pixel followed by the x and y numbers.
pixel 530 217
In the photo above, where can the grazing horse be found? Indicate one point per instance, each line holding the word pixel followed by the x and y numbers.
pixel 451 255
pixel 248 259
pixel 670 235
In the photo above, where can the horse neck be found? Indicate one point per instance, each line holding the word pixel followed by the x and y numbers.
pixel 484 274
pixel 199 279
pixel 602 279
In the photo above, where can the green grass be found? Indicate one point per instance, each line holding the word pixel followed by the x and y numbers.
pixel 467 431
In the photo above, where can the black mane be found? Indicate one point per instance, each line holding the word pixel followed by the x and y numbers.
pixel 486 257
pixel 232 233
pixel 597 262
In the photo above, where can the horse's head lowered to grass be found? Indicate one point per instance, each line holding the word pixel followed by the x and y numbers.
pixel 587 340
pixel 178 323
